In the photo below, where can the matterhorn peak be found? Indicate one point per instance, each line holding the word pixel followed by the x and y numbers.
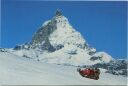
pixel 57 32
pixel 58 42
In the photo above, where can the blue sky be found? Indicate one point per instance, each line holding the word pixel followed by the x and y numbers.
pixel 103 24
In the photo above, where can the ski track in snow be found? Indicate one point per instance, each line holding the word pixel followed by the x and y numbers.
pixel 24 71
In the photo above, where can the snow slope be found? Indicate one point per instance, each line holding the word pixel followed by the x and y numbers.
pixel 16 70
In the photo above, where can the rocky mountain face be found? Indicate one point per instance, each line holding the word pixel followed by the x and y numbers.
pixel 117 67
pixel 56 33
pixel 56 41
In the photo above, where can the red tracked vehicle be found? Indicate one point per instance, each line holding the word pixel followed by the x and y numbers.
pixel 92 73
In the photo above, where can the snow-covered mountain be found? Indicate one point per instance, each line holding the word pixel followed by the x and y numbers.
pixel 56 41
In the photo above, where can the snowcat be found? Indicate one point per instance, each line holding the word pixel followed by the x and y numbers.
pixel 92 73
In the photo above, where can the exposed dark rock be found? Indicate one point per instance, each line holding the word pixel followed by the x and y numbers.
pixel 3 50
pixel 59 47
pixel 95 58
pixel 17 47
pixel 58 13
pixel 26 56
pixel 47 46
pixel 41 37
pixel 72 52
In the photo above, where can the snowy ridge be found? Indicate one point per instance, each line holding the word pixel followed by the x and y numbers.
pixel 46 22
